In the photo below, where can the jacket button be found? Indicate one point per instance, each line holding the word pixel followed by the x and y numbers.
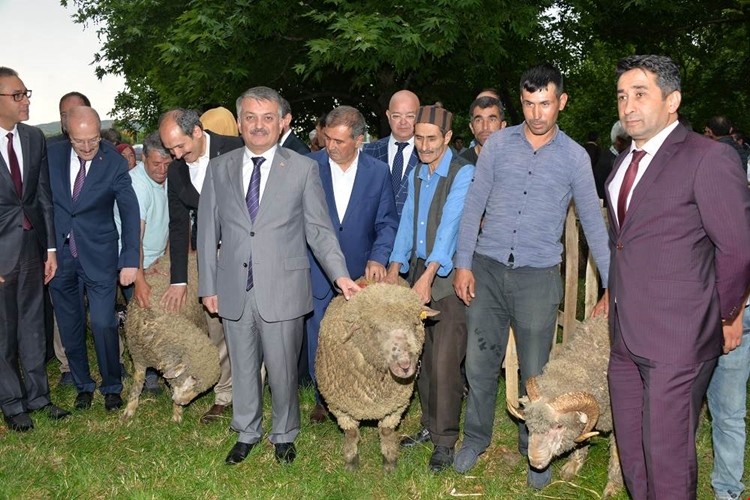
pixel 341 228
pixel 244 264
pixel 252 233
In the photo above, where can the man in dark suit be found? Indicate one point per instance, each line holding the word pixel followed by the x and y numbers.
pixel 264 203
pixel 87 176
pixel 67 102
pixel 397 149
pixel 26 260
pixel 363 212
pixel 288 138
pixel 679 222
pixel 192 147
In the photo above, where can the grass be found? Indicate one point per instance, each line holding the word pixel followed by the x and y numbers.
pixel 92 454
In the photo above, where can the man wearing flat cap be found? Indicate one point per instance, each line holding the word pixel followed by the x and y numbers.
pixel 424 248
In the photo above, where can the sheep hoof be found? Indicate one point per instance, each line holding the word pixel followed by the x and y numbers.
pixel 353 464
pixel 389 465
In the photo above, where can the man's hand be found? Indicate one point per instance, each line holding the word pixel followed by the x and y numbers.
pixel 375 271
pixel 391 276
pixel 50 267
pixel 602 307
pixel 732 333
pixel 423 288
pixel 211 303
pixel 174 298
pixel 347 287
pixel 2 280
pixel 127 275
pixel 464 285
pixel 142 291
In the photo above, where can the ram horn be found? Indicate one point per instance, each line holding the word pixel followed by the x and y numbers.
pixel 532 389
pixel 515 411
pixel 583 402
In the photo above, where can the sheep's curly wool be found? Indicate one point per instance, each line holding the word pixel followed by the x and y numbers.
pixel 176 344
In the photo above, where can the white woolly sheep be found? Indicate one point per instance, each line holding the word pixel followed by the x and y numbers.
pixel 569 400
pixel 176 344
pixel 367 356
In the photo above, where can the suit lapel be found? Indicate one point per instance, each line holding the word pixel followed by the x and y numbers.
pixel 26 151
pixel 327 181
pixel 238 186
pixel 96 173
pixel 275 182
pixel 362 181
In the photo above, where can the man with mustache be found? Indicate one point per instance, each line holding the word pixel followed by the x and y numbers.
pixel 486 113
pixel 424 247
pixel 509 274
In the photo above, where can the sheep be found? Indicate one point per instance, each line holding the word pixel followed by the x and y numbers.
pixel 176 344
pixel 569 403
pixel 366 361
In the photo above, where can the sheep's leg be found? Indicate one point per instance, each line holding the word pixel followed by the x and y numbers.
pixel 139 375
pixel 614 473
pixel 574 463
pixel 351 441
pixel 388 447
pixel 176 413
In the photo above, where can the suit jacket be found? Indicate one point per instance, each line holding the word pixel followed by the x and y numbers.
pixel 91 217
pixel 35 202
pixel 295 144
pixel 183 197
pixel 681 261
pixel 292 214
pixel 368 228
pixel 379 149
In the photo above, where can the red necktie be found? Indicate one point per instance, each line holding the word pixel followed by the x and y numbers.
pixel 627 185
pixel 15 173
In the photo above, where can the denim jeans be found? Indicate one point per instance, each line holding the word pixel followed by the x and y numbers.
pixel 727 393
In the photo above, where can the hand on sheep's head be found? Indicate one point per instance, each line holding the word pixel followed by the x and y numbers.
pixel 348 287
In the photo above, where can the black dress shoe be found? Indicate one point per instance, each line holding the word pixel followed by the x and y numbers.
pixel 421 437
pixel 239 453
pixel 112 402
pixel 285 452
pixel 83 400
pixel 441 459
pixel 54 412
pixel 20 423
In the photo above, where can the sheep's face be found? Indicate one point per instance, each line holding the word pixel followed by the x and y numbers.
pixel 184 389
pixel 551 433
pixel 401 349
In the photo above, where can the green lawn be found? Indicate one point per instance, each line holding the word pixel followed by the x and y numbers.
pixel 94 455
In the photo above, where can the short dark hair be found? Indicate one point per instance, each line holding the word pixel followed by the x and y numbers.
pixel 349 116
pixel 666 71
pixel 537 78
pixel 720 126
pixel 82 97
pixel 186 119
pixel 486 102
pixel 286 108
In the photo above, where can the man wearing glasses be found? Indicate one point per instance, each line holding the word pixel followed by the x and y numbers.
pixel 397 149
pixel 87 176
pixel 26 263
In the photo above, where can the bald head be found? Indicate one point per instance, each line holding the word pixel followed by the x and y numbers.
pixel 402 110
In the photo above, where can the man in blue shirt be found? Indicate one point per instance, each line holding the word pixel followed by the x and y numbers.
pixel 424 247
pixel 508 275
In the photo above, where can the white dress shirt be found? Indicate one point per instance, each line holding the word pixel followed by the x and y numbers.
pixel 16 148
pixel 199 167
pixel 265 169
pixel 343 183
pixel 393 149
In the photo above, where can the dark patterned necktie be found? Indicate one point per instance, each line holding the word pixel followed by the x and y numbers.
pixel 398 167
pixel 77 186
pixel 252 200
pixel 627 185
pixel 15 173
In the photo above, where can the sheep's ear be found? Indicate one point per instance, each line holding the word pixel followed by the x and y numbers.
pixel 175 371
pixel 427 312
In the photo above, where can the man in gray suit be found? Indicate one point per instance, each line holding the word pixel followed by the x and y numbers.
pixel 264 203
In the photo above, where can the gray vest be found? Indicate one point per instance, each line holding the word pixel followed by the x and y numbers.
pixel 441 287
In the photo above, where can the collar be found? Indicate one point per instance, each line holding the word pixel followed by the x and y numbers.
pixel 392 141
pixel 652 145
pixel 443 166
pixel 267 154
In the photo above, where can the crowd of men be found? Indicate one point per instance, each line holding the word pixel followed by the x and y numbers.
pixel 280 231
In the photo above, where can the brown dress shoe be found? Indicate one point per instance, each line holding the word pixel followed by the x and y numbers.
pixel 319 414
pixel 214 413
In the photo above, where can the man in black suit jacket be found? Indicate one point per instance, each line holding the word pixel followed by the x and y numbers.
pixel 288 138
pixel 192 147
pixel 26 263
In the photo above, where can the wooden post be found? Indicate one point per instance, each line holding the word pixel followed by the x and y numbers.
pixel 571 273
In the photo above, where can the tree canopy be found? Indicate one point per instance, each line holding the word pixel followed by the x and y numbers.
pixel 319 53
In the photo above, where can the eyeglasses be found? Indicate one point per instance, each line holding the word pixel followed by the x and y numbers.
pixel 18 96
pixel 85 142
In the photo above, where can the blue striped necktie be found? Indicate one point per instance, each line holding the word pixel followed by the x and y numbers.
pixel 252 200
pixel 398 167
